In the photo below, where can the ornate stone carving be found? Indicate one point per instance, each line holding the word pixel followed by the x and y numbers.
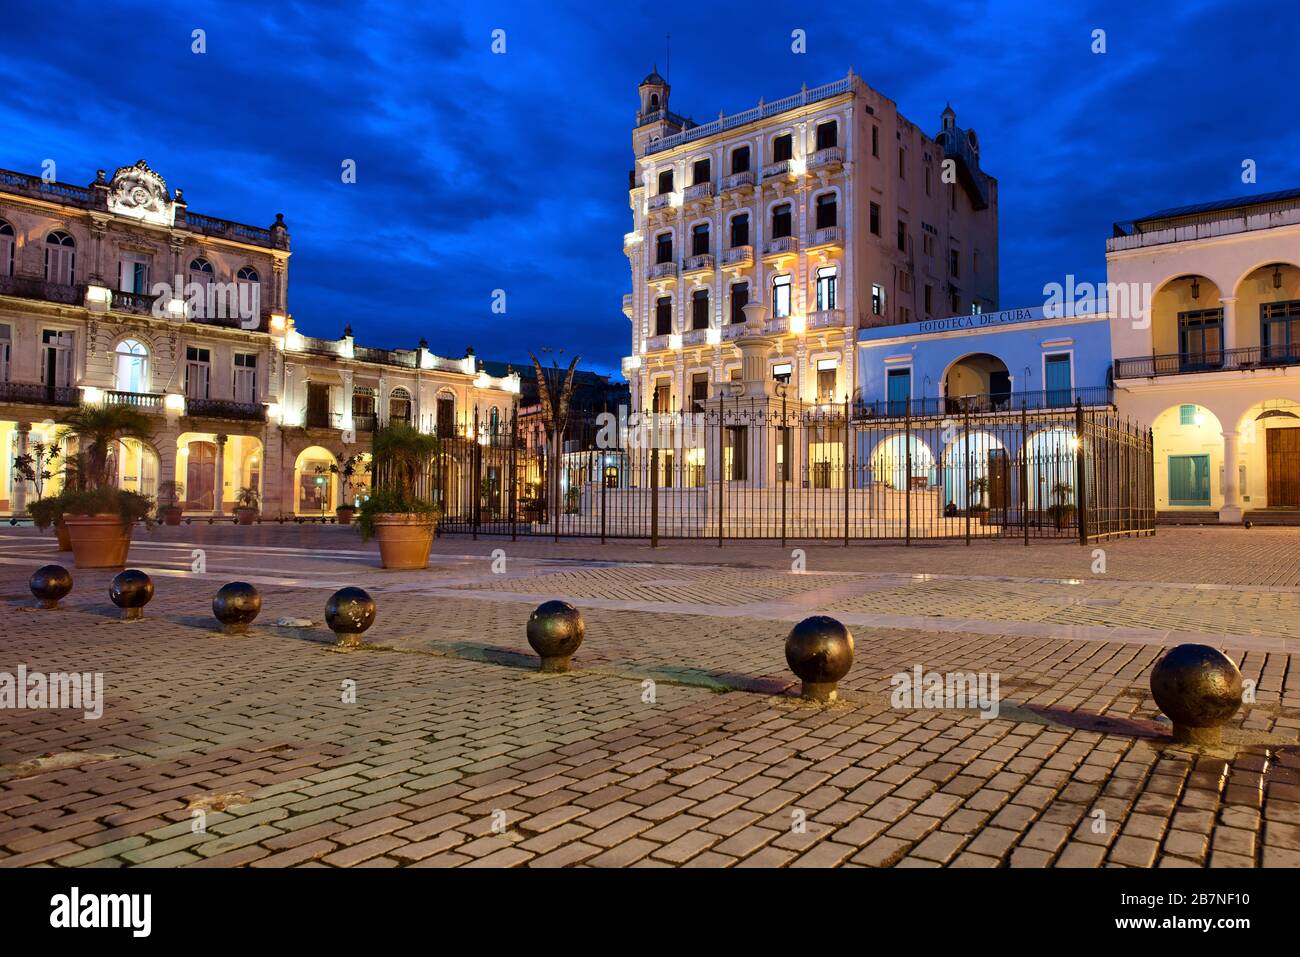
pixel 139 193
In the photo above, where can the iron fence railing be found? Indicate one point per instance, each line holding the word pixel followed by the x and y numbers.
pixel 1044 399
pixel 739 471
pixel 1218 360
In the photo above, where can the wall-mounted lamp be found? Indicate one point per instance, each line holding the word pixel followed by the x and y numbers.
pixel 1196 288
pixel 1277 275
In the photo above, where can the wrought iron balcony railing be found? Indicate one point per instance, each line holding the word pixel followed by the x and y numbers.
pixel 138 302
pixel 226 409
pixel 739 256
pixel 35 393
pixel 1221 360
pixel 25 287
pixel 1033 401
pixel 739 180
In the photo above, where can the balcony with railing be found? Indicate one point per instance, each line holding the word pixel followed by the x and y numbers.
pixel 144 401
pixel 140 303
pixel 743 180
pixel 831 158
pixel 695 337
pixel 662 201
pixel 777 327
pixel 225 409
pixel 783 246
pixel 1249 358
pixel 36 393
pixel 698 191
pixel 700 263
pixel 733 330
pixel 826 319
pixel 322 419
pixel 657 343
pixel 779 168
pixel 1003 402
pixel 26 287
pixel 364 421
pixel 827 236
pixel 662 271
pixel 739 256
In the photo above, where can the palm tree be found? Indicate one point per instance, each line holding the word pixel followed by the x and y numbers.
pixel 97 428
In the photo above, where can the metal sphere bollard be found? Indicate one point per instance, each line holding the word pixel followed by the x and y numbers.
pixel 235 606
pixel 555 630
pixel 1199 688
pixel 131 590
pixel 820 651
pixel 349 612
pixel 49 584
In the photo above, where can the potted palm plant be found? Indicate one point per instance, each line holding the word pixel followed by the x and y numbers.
pixel 396 513
pixel 1061 509
pixel 979 488
pixel 247 501
pixel 100 516
pixel 170 495
pixel 347 468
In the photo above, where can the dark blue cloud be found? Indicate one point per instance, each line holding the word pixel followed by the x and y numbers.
pixel 479 172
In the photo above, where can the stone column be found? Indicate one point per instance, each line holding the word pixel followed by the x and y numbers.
pixel 1229 322
pixel 1230 513
pixel 219 482
pixel 19 505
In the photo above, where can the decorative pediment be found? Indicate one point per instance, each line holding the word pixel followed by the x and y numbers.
pixel 140 193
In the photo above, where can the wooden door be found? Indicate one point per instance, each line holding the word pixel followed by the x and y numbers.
pixel 200 476
pixel 1284 467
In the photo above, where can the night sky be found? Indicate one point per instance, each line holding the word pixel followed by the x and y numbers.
pixel 478 171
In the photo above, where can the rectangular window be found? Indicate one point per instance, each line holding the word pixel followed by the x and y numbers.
pixel 739 299
pixel 446 421
pixel 245 377
pixel 784 452
pixel 740 230
pixel 875 141
pixel 902 163
pixel 1200 339
pixel 700 240
pixel 782 371
pixel 198 364
pixel 663 316
pixel 740 160
pixel 665 182
pixel 875 219
pixel 927 244
pixel 737 453
pixel 1189 480
pixel 898 390
pixel 663 248
pixel 827 135
pixel 904 281
pixel 1187 415
pixel 929 299
pixel 783 148
pixel 902 235
pixel 56 369
pixel 700 309
pixel 6 252
pixel 825 380
pixel 781 221
pixel 702 171
pixel 781 297
pixel 134 276
pixel 826 281
pixel 827 211
pixel 954 262
pixel 662 396
pixel 928 177
pixel 1280 330
pixel 60 264
pixel 1057 377
pixel 6 339
pixel 877 299
pixel 699 390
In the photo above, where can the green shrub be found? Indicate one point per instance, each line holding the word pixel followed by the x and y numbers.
pixel 107 500
pixel 389 502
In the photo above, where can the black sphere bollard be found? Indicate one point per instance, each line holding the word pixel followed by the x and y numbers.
pixel 1199 688
pixel 1250 524
pixel 131 590
pixel 349 612
pixel 555 630
pixel 235 606
pixel 820 651
pixel 49 584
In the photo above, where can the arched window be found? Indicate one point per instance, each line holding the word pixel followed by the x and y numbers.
pixel 399 406
pixel 494 421
pixel 827 211
pixel 826 292
pixel 60 258
pixel 654 101
pixel 7 241
pixel 132 366
pixel 781 296
pixel 247 274
pixel 200 271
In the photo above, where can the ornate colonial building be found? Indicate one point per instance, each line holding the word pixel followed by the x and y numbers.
pixel 828 209
pixel 117 293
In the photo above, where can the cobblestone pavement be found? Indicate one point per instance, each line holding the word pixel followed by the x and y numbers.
pixel 679 739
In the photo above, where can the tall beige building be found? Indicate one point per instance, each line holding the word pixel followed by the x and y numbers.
pixel 118 293
pixel 828 207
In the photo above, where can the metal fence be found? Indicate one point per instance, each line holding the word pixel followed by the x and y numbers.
pixel 740 471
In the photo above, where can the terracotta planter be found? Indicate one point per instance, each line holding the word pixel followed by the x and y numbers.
pixel 404 540
pixel 98 541
pixel 246 515
pixel 61 532
pixel 171 515
pixel 344 514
